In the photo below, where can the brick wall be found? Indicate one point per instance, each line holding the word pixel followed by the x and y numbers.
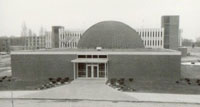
pixel 41 67
pixel 145 68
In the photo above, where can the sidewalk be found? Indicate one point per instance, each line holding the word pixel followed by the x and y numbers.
pixel 171 98
pixel 83 89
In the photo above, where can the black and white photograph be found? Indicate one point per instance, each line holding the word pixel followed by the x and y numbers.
pixel 99 53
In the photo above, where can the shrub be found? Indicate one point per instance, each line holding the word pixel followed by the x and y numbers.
pixel 54 82
pixel 58 79
pixel 51 79
pixel 192 62
pixel 66 79
pixel 113 81
pixel 198 81
pixel 4 77
pixel 130 79
pixel 122 79
pixel 62 82
pixel 187 79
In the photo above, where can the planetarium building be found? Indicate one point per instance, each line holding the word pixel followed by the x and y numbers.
pixel 107 50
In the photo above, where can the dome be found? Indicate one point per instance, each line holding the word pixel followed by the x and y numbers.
pixel 110 35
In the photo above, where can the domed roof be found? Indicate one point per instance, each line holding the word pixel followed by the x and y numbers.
pixel 110 35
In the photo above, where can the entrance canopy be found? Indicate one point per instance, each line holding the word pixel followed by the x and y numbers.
pixel 90 60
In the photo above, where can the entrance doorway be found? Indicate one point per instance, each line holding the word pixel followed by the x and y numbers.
pixel 92 71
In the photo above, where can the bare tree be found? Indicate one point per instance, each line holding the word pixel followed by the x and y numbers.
pixel 24 33
pixel 187 42
pixel 24 30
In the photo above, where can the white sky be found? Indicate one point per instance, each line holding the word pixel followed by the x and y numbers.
pixel 81 14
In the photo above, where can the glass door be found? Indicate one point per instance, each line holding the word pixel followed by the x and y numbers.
pixel 95 71
pixel 89 71
pixel 92 71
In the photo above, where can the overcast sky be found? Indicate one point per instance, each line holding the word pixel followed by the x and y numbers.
pixel 81 14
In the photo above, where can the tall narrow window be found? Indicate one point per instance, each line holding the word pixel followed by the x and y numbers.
pixel 81 70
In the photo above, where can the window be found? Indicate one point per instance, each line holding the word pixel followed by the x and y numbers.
pixel 102 56
pixel 95 56
pixel 81 56
pixel 81 70
pixel 92 56
pixel 101 70
pixel 89 56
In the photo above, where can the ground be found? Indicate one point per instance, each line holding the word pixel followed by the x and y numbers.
pixel 56 103
pixel 87 93
pixel 53 103
pixel 5 65
pixel 194 54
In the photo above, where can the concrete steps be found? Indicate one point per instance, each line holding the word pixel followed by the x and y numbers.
pixel 89 81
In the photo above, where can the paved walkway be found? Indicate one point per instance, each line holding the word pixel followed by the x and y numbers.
pixel 172 98
pixel 51 103
pixel 96 90
pixel 83 89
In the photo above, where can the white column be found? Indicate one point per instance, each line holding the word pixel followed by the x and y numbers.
pixel 162 36
pixel 106 71
pixel 145 37
pixel 74 70
pixel 97 70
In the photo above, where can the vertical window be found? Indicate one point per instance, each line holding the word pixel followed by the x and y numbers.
pixel 81 70
pixel 101 70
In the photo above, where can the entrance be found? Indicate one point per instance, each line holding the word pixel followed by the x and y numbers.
pixel 92 71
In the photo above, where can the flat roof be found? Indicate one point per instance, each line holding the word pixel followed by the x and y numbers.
pixel 144 51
